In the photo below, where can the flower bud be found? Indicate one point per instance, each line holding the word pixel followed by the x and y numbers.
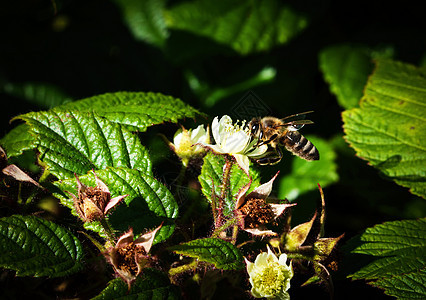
pixel 184 143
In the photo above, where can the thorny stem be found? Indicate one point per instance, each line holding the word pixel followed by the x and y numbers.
pixel 218 213
pixel 228 224
pixel 181 269
pixel 234 234
pixel 225 178
pixel 108 230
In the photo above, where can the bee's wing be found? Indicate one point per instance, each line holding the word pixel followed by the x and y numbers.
pixel 299 116
pixel 296 121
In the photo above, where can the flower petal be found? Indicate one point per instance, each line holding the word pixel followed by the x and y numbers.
pixel 114 201
pixel 178 137
pixel 146 240
pixel 263 191
pixel 250 265
pixel 236 142
pixel 260 231
pixel 215 130
pixel 278 209
pixel 125 239
pixel 261 260
pixel 257 151
pixel 101 185
pixel 283 259
pixel 243 162
pixel 241 195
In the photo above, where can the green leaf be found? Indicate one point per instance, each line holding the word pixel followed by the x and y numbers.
pixel 211 175
pixel 145 20
pixel 399 249
pixel 152 284
pixel 389 128
pixel 346 68
pixel 36 247
pixel 19 139
pixel 305 175
pixel 44 95
pixel 245 26
pixel 148 205
pixel 137 111
pixel 76 142
pixel 222 254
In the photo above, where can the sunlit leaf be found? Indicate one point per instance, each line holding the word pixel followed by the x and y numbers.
pixel 76 142
pixel 136 111
pixel 222 254
pixel 399 252
pixel 36 247
pixel 389 128
pixel 245 26
pixel 19 139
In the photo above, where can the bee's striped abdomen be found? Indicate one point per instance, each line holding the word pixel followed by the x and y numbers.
pixel 299 145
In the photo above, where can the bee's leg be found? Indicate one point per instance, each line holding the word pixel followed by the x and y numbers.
pixel 267 141
pixel 271 160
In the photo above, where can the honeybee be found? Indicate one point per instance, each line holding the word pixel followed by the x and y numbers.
pixel 276 132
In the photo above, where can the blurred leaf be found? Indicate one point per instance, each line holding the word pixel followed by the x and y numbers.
pixel 152 284
pixel 246 26
pixel 305 175
pixel 148 205
pixel 76 142
pixel 346 68
pixel 211 174
pixel 389 128
pixel 44 95
pixel 145 20
pixel 36 247
pixel 222 254
pixel 400 251
pixel 19 139
pixel 136 111
pixel 212 95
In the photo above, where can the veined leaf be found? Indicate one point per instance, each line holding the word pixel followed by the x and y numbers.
pixel 148 205
pixel 400 251
pixel 151 285
pixel 76 142
pixel 305 175
pixel 145 20
pixel 222 254
pixel 36 247
pixel 211 175
pixel 137 111
pixel 245 26
pixel 19 139
pixel 389 128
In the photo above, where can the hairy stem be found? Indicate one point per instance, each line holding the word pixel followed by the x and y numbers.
pixel 107 228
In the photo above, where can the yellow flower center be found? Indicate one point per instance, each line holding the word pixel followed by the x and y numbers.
pixel 271 279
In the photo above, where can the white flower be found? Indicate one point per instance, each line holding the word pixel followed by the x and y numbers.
pixel 184 143
pixel 235 140
pixel 270 276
